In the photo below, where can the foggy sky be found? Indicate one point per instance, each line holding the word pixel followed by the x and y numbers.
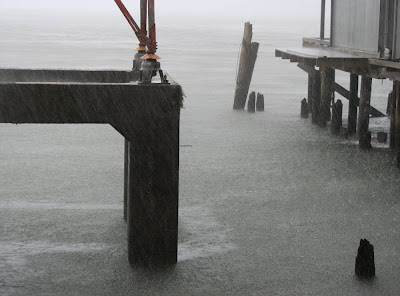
pixel 191 7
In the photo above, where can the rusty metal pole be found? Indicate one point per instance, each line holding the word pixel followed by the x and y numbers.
pixel 152 47
pixel 322 32
pixel 143 16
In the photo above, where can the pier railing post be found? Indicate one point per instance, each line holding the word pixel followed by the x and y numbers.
pixel 363 120
pixel 353 98
pixel 392 141
pixel 316 97
pixel 327 81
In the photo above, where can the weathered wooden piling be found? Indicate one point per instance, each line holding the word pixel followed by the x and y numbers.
pixel 309 92
pixel 363 120
pixel 260 102
pixel 397 122
pixel 247 61
pixel 382 137
pixel 316 97
pixel 337 112
pixel 353 104
pixel 365 261
pixel 392 140
pixel 304 108
pixel 251 104
pixel 327 81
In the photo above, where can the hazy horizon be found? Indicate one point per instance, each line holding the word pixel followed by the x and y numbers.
pixel 249 8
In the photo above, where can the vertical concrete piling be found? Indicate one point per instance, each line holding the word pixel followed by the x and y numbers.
pixel 316 97
pixel 363 120
pixel 353 104
pixel 247 62
pixel 337 112
pixel 327 81
pixel 260 102
pixel 126 178
pixel 251 104
pixel 153 191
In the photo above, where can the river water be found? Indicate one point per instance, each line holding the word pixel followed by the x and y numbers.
pixel 269 204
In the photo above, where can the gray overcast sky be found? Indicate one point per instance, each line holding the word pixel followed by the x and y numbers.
pixel 199 7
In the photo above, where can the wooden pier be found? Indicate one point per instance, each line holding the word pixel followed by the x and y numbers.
pixel 147 115
pixel 367 49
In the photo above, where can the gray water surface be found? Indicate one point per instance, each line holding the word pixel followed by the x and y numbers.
pixel 269 204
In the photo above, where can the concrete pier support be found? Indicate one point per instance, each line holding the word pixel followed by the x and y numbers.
pixel 327 82
pixel 153 194
pixel 363 120
pixel 126 179
pixel 316 97
pixel 147 115
pixel 353 104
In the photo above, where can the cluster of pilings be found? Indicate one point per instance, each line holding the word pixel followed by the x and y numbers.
pixel 254 104
pixel 248 57
pixel 320 102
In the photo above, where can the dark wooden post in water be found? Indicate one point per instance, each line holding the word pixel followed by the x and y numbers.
pixel 337 112
pixel 327 81
pixel 304 109
pixel 397 122
pixel 309 92
pixel 248 58
pixel 126 178
pixel 260 102
pixel 365 261
pixel 316 97
pixel 363 120
pixel 353 104
pixel 251 104
pixel 392 140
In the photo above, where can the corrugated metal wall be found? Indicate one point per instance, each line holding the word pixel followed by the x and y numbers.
pixel 355 24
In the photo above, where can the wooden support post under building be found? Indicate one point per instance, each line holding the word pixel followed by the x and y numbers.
pixel 337 113
pixel 363 120
pixel 126 178
pixel 327 81
pixel 309 92
pixel 247 61
pixel 392 141
pixel 316 96
pixel 353 103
